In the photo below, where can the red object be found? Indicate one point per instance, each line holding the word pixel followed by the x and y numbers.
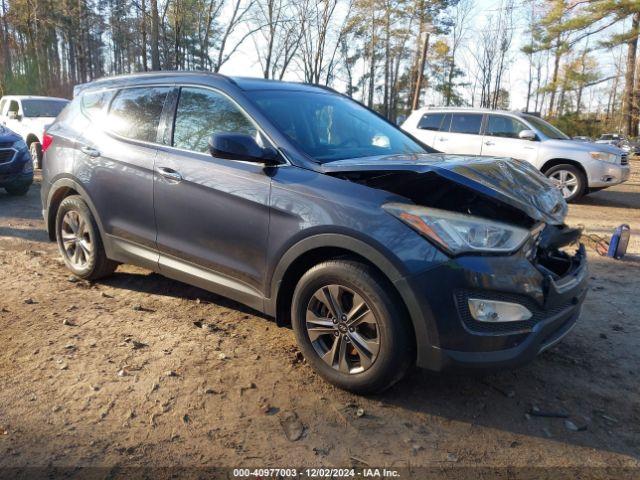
pixel 46 142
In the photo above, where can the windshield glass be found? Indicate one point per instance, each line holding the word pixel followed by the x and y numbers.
pixel 43 108
pixel 546 128
pixel 331 127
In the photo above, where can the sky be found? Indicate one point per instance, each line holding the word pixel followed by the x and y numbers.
pixel 245 62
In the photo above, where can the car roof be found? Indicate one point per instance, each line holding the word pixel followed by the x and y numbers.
pixel 31 97
pixel 471 110
pixel 206 78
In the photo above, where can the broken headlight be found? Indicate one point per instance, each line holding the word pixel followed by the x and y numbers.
pixel 457 233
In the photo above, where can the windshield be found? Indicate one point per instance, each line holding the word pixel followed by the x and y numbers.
pixel 43 108
pixel 330 127
pixel 546 128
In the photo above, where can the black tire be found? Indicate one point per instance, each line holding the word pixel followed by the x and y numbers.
pixel 394 333
pixel 35 149
pixel 571 170
pixel 97 264
pixel 17 190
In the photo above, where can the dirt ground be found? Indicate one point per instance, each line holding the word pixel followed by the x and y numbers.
pixel 119 373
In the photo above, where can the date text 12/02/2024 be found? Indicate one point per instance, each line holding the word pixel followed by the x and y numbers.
pixel 316 473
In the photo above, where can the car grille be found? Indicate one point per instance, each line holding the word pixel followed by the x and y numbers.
pixel 624 159
pixel 503 328
pixel 6 155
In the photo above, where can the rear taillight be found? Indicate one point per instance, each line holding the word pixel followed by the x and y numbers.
pixel 46 141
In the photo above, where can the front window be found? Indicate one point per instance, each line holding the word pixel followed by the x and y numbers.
pixel 330 127
pixel 546 128
pixel 42 108
pixel 202 113
pixel 506 127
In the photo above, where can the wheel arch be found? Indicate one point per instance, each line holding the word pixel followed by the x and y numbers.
pixel 317 249
pixel 31 137
pixel 564 161
pixel 59 190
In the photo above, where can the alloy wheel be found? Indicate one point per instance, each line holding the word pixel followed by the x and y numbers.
pixel 76 239
pixel 565 181
pixel 343 329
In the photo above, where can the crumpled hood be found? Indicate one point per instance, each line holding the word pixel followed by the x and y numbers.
pixel 513 182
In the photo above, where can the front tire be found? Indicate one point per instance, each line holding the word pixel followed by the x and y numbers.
pixel 17 190
pixel 35 149
pixel 79 240
pixel 569 179
pixel 351 327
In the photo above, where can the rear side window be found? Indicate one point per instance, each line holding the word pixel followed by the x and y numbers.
pixel 431 121
pixel 201 113
pixel 135 112
pixel 93 103
pixel 507 127
pixel 466 123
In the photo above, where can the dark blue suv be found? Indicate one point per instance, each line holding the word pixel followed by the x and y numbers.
pixel 307 206
pixel 16 166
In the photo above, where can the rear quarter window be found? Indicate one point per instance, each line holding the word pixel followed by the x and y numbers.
pixel 431 121
pixel 135 112
pixel 93 103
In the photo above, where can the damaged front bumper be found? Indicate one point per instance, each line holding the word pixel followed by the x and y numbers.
pixel 552 288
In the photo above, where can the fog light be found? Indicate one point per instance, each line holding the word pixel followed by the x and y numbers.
pixel 493 311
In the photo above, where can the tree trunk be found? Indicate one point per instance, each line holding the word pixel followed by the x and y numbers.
pixel 420 77
pixel 554 79
pixel 6 51
pixel 629 76
pixel 155 53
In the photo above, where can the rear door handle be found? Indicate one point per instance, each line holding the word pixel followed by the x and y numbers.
pixel 90 151
pixel 169 174
pixel 442 139
pixel 489 142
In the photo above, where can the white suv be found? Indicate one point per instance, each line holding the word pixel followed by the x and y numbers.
pixel 29 116
pixel 575 167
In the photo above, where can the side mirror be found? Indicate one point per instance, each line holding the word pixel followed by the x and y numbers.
pixel 527 135
pixel 239 146
pixel 13 115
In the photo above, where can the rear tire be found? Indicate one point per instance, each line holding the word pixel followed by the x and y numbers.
pixel 364 350
pixel 79 240
pixel 17 191
pixel 569 179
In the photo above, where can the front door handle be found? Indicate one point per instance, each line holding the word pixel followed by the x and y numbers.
pixel 169 174
pixel 442 139
pixel 489 142
pixel 90 151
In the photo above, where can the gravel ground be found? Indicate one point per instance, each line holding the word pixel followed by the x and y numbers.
pixel 141 371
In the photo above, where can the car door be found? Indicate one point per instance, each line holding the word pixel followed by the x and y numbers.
pixel 116 155
pixel 427 127
pixel 212 214
pixel 501 139
pixel 442 136
pixel 464 134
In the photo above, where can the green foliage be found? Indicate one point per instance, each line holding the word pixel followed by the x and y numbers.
pixel 573 125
